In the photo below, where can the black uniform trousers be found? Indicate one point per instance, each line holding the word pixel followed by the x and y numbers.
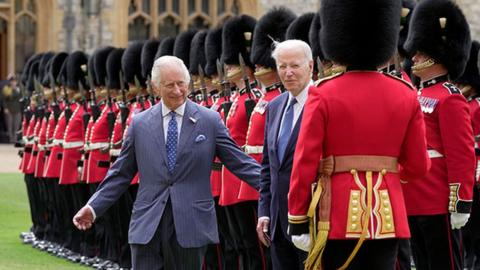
pixel 164 251
pixel 285 256
pixel 435 246
pixel 471 234
pixel 373 254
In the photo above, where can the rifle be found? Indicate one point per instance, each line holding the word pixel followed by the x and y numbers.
pixel 151 95
pixel 68 109
pixel 321 71
pixel 227 104
pixel 40 110
pixel 86 115
pixel 398 66
pixel 140 98
pixel 93 103
pixel 249 102
pixel 110 114
pixel 203 86
pixel 54 104
pixel 124 111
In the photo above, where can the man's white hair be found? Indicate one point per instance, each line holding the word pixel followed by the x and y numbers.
pixel 291 44
pixel 165 62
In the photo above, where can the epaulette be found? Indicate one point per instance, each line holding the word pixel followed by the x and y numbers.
pixel 322 80
pixel 452 89
pixel 401 80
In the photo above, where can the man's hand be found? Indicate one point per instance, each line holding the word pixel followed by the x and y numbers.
pixel 83 220
pixel 262 230
pixel 458 220
pixel 302 241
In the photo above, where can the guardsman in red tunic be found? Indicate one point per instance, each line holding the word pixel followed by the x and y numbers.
pixel 236 40
pixel 469 85
pixel 345 201
pixel 439 204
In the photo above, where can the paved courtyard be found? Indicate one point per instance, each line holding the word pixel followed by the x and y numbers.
pixel 9 160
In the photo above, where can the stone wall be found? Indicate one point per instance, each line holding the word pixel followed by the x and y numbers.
pixel 471 9
pixel 298 6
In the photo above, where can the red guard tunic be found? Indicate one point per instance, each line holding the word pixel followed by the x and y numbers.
pixel 255 137
pixel 474 105
pixel 28 129
pixel 237 124
pixel 216 174
pixel 359 113
pixel 54 160
pixel 86 150
pixel 73 141
pixel 448 186
pixel 99 159
pixel 36 132
pixel 42 141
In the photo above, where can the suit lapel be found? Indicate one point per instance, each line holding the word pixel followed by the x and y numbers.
pixel 158 132
pixel 189 122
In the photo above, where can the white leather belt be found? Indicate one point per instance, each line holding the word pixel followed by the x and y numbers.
pixel 432 153
pixel 68 145
pixel 42 147
pixel 98 145
pixel 115 152
pixel 249 149
pixel 57 142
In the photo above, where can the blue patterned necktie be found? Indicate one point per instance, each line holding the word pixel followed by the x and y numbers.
pixel 286 130
pixel 172 137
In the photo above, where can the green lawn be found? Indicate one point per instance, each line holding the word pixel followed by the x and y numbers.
pixel 15 218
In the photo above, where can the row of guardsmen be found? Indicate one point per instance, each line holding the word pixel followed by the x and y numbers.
pixel 78 108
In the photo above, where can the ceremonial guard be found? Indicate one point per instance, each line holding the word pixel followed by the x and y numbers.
pixel 165 47
pixel 345 201
pixel 236 48
pixel 439 204
pixel 469 85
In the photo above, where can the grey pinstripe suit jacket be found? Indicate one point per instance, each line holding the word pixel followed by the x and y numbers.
pixel 188 187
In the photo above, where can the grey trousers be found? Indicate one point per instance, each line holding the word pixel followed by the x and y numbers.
pixel 164 252
pixel 13 125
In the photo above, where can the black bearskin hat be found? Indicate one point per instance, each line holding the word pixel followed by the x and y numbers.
pixel 272 25
pixel 148 56
pixel 165 47
pixel 237 37
pixel 181 49
pixel 131 63
pixel 91 68
pixel 33 73
pixel 43 68
pixel 100 63
pixel 77 70
pixel 56 65
pixel 359 34
pixel 439 29
pixel 213 50
pixel 197 52
pixel 300 27
pixel 26 68
pixel 471 75
pixel 314 37
pixel 407 10
pixel 114 67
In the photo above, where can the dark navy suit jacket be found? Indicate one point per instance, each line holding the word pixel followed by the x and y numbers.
pixel 275 176
pixel 202 137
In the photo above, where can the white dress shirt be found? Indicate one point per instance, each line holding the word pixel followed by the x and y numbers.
pixel 166 118
pixel 297 107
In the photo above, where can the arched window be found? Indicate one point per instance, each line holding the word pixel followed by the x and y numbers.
pixel 162 18
pixel 25 31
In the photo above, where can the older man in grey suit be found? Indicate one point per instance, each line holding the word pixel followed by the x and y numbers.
pixel 172 146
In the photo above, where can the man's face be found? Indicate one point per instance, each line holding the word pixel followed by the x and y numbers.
pixel 294 69
pixel 420 64
pixel 173 87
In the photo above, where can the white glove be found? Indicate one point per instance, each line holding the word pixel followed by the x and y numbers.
pixel 458 220
pixel 302 241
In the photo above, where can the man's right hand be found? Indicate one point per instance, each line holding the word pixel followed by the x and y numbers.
pixel 262 230
pixel 83 220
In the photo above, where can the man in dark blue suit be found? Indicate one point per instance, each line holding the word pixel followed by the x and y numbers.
pixel 172 146
pixel 294 64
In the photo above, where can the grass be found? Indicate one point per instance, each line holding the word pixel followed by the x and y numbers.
pixel 15 218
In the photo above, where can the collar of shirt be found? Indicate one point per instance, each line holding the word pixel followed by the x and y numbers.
pixel 302 96
pixel 179 111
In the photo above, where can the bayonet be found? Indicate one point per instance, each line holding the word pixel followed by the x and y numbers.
pixel 86 115
pixel 249 102
pixel 227 104
pixel 321 71
pixel 398 66
pixel 139 95
pixel 95 109
pixel 110 114
pixel 203 85
pixel 124 111
pixel 151 95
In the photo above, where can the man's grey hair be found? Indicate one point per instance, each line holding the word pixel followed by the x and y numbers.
pixel 165 62
pixel 291 44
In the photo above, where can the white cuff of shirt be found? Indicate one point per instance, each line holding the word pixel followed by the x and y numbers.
pixel 93 212
pixel 264 218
